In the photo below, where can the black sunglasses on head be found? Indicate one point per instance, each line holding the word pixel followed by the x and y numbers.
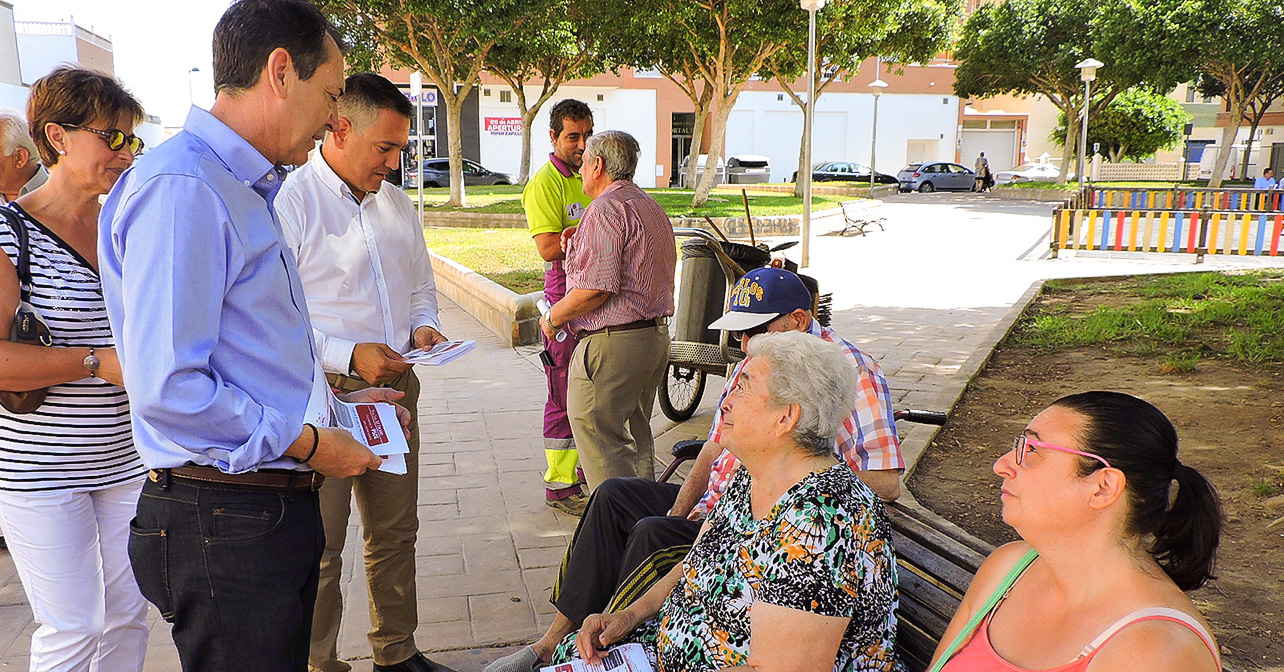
pixel 115 138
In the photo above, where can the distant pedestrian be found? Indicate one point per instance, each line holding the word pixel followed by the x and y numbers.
pixel 554 201
pixel 20 169
pixel 983 178
pixel 1266 181
pixel 619 269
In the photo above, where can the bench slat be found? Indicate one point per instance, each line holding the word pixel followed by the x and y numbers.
pixel 914 647
pixel 928 592
pixel 932 564
pixel 922 617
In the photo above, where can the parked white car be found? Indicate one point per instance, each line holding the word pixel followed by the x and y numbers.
pixel 1028 172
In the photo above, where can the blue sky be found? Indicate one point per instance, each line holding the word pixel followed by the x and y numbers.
pixel 156 44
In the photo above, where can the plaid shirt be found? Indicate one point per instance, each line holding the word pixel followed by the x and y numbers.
pixel 625 246
pixel 867 440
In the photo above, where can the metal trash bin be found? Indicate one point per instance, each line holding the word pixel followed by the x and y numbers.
pixel 702 295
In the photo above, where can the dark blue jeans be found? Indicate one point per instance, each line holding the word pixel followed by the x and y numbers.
pixel 234 569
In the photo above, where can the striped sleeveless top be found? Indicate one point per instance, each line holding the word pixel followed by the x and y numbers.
pixel 80 438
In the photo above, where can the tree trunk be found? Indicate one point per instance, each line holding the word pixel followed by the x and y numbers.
pixel 715 150
pixel 528 118
pixel 454 116
pixel 1228 139
pixel 1072 141
pixel 1248 147
pixel 693 154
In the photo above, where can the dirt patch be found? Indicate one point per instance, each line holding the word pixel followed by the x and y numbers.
pixel 1231 424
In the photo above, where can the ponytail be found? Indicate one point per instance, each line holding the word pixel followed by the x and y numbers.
pixel 1185 542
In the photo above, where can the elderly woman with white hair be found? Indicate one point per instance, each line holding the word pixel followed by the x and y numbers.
pixel 793 568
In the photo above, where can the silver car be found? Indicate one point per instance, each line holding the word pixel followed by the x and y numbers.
pixel 938 176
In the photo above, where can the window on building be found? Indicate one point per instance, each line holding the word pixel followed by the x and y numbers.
pixel 505 96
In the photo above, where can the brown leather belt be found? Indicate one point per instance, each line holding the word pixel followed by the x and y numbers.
pixel 283 480
pixel 628 326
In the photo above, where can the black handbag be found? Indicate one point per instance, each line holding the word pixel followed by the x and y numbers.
pixel 27 326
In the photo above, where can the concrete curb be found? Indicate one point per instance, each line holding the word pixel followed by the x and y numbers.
pixel 1046 195
pixel 784 225
pixel 514 317
pixel 823 189
pixel 915 441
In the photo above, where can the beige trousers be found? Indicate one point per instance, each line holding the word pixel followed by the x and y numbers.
pixel 389 521
pixel 611 391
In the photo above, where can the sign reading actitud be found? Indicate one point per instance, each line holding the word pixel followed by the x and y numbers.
pixel 503 125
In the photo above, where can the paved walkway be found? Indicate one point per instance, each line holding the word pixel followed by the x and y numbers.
pixel 923 297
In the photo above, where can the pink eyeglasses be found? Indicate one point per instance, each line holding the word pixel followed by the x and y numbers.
pixel 1021 442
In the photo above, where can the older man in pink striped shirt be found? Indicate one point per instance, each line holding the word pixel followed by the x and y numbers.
pixel 619 271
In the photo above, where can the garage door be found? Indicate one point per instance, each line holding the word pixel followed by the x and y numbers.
pixel 999 148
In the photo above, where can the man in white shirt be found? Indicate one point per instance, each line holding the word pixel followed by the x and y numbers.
pixel 365 268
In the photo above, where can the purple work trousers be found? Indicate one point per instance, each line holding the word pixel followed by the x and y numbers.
pixel 559 445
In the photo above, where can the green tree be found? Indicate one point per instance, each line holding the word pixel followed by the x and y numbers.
pixel 709 48
pixel 1135 125
pixel 1031 47
pixel 554 48
pixel 1255 108
pixel 1236 45
pixel 448 40
pixel 850 31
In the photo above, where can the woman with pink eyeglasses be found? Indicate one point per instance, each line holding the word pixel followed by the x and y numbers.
pixel 1108 547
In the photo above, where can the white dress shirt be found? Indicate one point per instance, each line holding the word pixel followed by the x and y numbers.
pixel 364 265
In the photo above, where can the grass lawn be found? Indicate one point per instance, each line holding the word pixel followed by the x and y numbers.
pixel 677 202
pixel 506 256
pixel 1183 317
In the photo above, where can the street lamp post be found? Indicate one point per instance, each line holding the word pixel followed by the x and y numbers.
pixel 812 6
pixel 191 98
pixel 877 85
pixel 1088 73
pixel 417 93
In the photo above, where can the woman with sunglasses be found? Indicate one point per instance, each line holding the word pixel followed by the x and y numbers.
pixel 69 474
pixel 1108 547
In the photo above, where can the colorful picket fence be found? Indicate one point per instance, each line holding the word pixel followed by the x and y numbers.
pixel 1196 232
pixel 1231 200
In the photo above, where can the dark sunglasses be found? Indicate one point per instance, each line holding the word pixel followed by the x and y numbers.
pixel 115 138
pixel 750 333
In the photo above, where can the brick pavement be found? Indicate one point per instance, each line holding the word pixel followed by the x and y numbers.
pixel 923 297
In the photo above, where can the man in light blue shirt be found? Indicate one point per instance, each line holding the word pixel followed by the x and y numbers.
pixel 1266 181
pixel 228 403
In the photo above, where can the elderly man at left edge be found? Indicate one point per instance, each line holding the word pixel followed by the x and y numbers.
pixel 229 404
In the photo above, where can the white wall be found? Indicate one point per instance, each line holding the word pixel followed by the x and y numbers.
pixel 14 97
pixel 41 53
pixel 768 123
pixel 9 72
pixel 629 110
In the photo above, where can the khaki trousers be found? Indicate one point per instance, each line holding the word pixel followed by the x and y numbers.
pixel 389 521
pixel 610 394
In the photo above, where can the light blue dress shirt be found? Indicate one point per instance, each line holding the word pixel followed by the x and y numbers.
pixel 205 304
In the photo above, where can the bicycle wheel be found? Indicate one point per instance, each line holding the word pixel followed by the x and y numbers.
pixel 681 391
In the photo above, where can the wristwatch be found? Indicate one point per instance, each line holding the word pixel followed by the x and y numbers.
pixel 92 364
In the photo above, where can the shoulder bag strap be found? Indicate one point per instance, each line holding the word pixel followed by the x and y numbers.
pixel 999 592
pixel 24 255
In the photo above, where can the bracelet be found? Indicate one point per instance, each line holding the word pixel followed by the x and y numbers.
pixel 316 441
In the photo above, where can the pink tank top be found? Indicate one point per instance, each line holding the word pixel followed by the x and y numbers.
pixel 978 655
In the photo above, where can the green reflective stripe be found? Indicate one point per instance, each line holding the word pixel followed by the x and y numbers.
pixel 646 575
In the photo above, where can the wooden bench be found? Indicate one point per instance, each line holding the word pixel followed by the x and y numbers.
pixel 857 215
pixel 935 563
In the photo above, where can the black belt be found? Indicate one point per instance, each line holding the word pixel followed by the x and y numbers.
pixel 628 326
pixel 283 480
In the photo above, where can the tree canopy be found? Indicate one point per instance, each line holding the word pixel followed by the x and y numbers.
pixel 1135 125
pixel 1028 47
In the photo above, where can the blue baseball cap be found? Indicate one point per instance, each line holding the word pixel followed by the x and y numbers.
pixel 761 296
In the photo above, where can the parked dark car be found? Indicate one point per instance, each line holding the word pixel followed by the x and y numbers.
pixel 843 171
pixel 437 174
pixel 937 176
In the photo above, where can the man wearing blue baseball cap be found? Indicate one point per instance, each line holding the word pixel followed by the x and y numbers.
pixel 634 529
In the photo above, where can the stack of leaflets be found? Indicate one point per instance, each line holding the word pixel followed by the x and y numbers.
pixel 375 426
pixel 442 353
pixel 622 658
